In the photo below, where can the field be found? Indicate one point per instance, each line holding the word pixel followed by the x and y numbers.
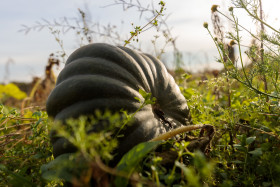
pixel 236 144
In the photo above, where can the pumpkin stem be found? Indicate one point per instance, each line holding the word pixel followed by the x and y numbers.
pixel 179 130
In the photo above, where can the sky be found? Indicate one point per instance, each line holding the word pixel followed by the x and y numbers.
pixel 27 54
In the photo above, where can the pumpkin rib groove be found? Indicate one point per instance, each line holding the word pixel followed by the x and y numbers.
pixel 152 128
pixel 153 71
pixel 161 76
pixel 144 65
pixel 178 116
pixel 173 97
pixel 88 107
pixel 179 111
pixel 97 66
pixel 111 53
pixel 165 82
pixel 101 50
pixel 173 101
pixel 144 117
pixel 76 89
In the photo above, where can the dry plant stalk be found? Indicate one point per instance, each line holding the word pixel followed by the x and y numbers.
pixel 179 130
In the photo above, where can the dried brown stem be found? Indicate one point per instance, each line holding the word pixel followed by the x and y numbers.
pixel 179 130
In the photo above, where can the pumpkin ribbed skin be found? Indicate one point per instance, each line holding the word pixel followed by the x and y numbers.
pixel 101 76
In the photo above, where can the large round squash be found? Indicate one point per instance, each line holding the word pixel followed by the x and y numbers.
pixel 101 76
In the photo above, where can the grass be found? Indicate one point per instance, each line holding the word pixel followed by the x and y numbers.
pixel 242 104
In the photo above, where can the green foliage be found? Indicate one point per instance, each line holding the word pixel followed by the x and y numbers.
pixel 67 167
pixel 24 146
pixel 242 103
pixel 262 75
pixel 245 107
pixel 245 148
pixel 201 170
pixel 95 144
pixel 11 90
pixel 186 169
pixel 90 144
pixel 131 160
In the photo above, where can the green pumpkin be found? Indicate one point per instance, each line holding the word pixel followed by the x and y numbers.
pixel 101 76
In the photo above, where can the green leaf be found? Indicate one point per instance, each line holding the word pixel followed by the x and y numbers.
pixel 37 123
pixel 130 160
pixel 239 147
pixel 237 162
pixel 256 152
pixel 250 140
pixel 143 93
pixel 138 99
pixel 58 168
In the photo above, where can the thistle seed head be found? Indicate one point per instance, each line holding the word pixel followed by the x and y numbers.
pixel 214 8
pixel 205 25
pixel 232 42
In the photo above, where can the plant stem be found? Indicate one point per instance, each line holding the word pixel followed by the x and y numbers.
pixel 256 90
pixel 218 48
pixel 141 29
pixel 239 48
pixel 229 93
pixel 254 36
pixel 262 50
pixel 257 18
pixel 176 131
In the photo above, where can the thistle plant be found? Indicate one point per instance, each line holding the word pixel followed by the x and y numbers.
pixel 261 76
pixel 252 121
